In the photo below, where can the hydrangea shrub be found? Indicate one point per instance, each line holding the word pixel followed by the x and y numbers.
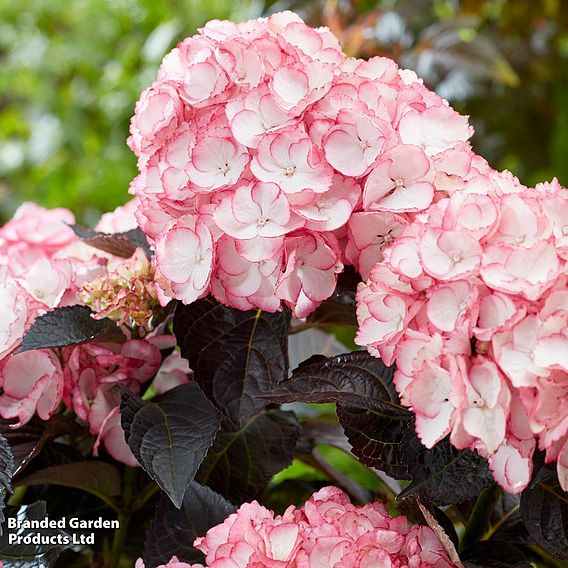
pixel 287 190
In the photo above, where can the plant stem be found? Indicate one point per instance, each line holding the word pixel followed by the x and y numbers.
pixel 123 517
pixel 480 516
pixel 144 495
pixel 549 559
pixel 17 496
pixel 492 530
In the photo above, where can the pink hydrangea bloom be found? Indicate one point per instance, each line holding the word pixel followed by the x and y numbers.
pixel 173 563
pixel 258 136
pixel 91 373
pixel 470 301
pixel 33 232
pixel 327 531
pixel 174 371
pixel 44 266
pixel 17 309
pixel 37 274
pixel 32 382
pixel 120 220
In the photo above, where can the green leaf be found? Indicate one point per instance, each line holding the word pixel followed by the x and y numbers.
pixel 31 555
pixel 235 355
pixel 242 460
pixel 70 325
pixel 117 244
pixel 173 531
pixel 170 435
pixel 544 508
pixel 298 470
pixel 97 477
pixel 443 473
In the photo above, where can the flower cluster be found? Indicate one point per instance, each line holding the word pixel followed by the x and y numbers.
pixel 173 563
pixel 39 268
pixel 44 266
pixel 268 159
pixel 327 531
pixel 125 294
pixel 471 302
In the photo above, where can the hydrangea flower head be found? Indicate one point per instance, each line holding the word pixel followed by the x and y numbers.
pixel 257 145
pixel 471 302
pixel 327 531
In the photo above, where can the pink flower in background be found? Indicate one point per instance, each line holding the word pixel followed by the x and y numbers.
pixel 35 231
pixel 32 382
pixel 126 293
pixel 17 311
pixel 120 220
pixel 92 371
pixel 44 266
pixel 47 280
pixel 326 531
pixel 173 371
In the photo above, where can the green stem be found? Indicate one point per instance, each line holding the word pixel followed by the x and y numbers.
pixel 480 517
pixel 492 530
pixel 17 496
pixel 144 495
pixel 123 517
pixel 549 559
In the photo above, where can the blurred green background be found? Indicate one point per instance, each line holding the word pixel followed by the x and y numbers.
pixel 71 71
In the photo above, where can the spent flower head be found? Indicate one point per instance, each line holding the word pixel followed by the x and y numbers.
pixel 126 294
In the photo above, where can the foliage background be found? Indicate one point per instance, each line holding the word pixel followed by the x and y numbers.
pixel 70 73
